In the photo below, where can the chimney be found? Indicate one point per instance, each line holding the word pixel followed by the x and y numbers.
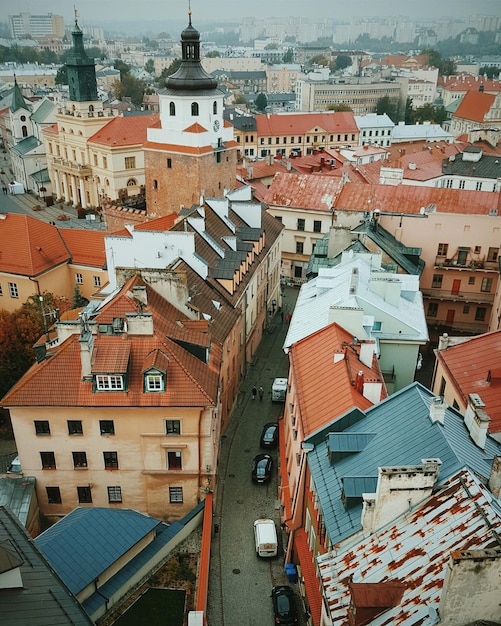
pixel 359 382
pixel 476 420
pixel 495 477
pixel 398 490
pixel 437 410
pixel 140 296
pixel 443 342
pixel 367 350
pixel 139 323
pixel 466 570
pixel 86 341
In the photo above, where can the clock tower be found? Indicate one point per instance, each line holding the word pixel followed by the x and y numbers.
pixel 192 152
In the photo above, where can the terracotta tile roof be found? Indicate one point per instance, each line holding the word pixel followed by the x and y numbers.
pixel 261 169
pixel 440 149
pixel 53 129
pixel 110 356
pixel 86 246
pixel 166 147
pixel 410 199
pixel 468 82
pixel 327 389
pixel 160 224
pixel 309 574
pixel 301 123
pixel 284 475
pixel 124 131
pixel 29 246
pixel 475 106
pixel 469 365
pixel 195 128
pixel 156 359
pixel 303 191
pixel 57 381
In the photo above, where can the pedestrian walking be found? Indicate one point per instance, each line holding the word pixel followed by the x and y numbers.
pixel 254 392
pixel 282 315
pixel 288 318
pixel 261 393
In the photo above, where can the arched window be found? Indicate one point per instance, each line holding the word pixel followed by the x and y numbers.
pixel 214 107
pixel 91 107
pixel 172 108
pixel 23 118
pixel 24 130
pixel 194 108
pixel 131 182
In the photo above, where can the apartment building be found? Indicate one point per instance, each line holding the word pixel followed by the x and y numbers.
pixel 35 26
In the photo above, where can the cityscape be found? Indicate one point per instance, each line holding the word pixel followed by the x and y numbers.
pixel 250 315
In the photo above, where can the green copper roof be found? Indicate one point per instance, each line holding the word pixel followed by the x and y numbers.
pixel 18 101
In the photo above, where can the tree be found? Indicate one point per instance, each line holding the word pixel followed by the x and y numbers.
pixel 62 75
pixel 78 300
pixel 261 102
pixel 342 61
pixel 319 59
pixel 213 54
pixel 491 71
pixel 122 67
pixel 339 107
pixel 150 66
pixel 388 106
pixel 129 87
pixel 288 56
pixel 172 69
pixel 240 99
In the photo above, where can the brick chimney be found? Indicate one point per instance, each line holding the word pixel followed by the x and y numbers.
pixel 476 419
pixel 398 490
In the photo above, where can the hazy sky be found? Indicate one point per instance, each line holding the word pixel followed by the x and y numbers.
pixel 164 11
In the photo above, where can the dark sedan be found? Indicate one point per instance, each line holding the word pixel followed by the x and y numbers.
pixel 269 435
pixel 284 605
pixel 261 468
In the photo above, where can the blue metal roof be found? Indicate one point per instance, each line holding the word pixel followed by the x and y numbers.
pixel 404 435
pixel 88 541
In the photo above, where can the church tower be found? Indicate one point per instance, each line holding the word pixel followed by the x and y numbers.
pixel 192 152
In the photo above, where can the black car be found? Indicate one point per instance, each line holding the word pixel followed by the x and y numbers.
pixel 284 605
pixel 261 468
pixel 269 436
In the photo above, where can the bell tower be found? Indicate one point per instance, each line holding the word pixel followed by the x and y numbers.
pixel 192 152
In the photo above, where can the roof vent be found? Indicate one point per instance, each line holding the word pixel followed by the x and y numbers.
pixel 493 212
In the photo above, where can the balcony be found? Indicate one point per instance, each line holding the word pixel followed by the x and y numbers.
pixel 72 168
pixel 461 296
pixel 466 264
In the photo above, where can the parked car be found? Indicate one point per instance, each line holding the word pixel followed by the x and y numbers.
pixel 269 435
pixel 261 468
pixel 284 605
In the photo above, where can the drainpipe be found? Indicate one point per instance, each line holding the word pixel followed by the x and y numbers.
pixel 200 452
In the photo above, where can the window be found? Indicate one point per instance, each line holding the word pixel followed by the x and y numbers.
pixel 376 327
pixel 154 382
pixel 317 226
pixel 300 224
pixel 174 461
pixel 480 314
pixel 442 387
pixel 471 280
pixel 107 427
pixel 155 184
pixel 105 163
pixel 75 427
pixel 172 108
pixel 437 281
pixel 79 459
pixel 130 163
pixel 110 460
pixel 78 278
pixel 194 108
pixel 214 107
pixel 84 495
pixel 169 163
pixel 42 427
pixel 442 249
pixel 478 249
pixel 486 284
pixel 466 309
pixel 109 383
pixel 176 495
pixel 299 247
pixel 173 427
pixel 432 309
pixel 115 494
pixel 13 290
pixel 97 281
pixel 1 291
pixel 53 495
pixel 48 460
pixel 491 256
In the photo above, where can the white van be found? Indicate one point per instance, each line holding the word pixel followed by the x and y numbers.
pixel 279 390
pixel 265 535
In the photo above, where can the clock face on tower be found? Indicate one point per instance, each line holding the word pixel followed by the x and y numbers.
pixel 216 126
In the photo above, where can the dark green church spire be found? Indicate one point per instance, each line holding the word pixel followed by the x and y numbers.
pixel 81 70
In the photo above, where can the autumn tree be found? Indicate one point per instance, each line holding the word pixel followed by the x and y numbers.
pixel 338 107
pixel 129 87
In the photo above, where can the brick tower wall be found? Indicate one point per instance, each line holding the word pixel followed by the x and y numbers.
pixel 186 179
